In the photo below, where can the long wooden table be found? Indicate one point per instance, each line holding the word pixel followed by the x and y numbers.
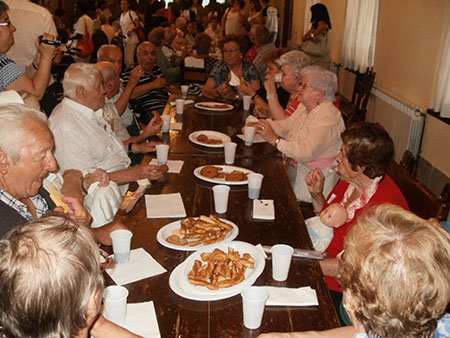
pixel 179 317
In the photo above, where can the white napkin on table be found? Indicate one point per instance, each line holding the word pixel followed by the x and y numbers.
pixel 141 320
pixel 173 103
pixel 256 139
pixel 263 209
pixel 174 165
pixel 165 205
pixel 305 296
pixel 176 125
pixel 141 265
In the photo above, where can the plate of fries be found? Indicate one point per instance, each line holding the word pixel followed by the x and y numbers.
pixel 217 271
pixel 192 233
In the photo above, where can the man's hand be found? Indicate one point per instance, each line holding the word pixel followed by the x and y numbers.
pixel 77 212
pixel 135 75
pixel 145 147
pixel 99 175
pixel 152 172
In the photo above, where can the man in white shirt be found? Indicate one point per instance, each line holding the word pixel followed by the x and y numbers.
pixel 31 21
pixel 84 140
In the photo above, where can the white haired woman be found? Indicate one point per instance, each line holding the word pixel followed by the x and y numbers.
pixel 51 283
pixel 395 272
pixel 291 64
pixel 311 135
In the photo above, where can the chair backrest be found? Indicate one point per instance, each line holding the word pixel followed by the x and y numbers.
pixel 193 75
pixel 361 90
pixel 421 200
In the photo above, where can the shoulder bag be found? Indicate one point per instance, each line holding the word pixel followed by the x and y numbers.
pixel 85 44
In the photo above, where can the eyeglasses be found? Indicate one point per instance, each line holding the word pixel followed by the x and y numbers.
pixel 5 24
pixel 304 85
pixel 230 50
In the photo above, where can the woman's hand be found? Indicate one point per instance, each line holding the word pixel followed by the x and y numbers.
pixel 244 88
pixel 225 91
pixel 314 181
pixel 270 84
pixel 264 128
pixel 260 111
pixel 46 51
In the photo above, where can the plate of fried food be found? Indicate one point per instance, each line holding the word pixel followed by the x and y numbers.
pixel 209 138
pixel 214 106
pixel 222 174
pixel 192 233
pixel 217 271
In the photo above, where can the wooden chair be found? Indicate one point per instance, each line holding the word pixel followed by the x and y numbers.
pixel 356 109
pixel 421 200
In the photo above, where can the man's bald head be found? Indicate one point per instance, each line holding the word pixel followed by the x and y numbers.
pixel 111 53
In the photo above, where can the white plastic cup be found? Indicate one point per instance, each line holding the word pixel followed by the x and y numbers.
pixel 121 243
pixel 230 152
pixel 247 101
pixel 249 133
pixel 162 153
pixel 221 193
pixel 179 104
pixel 166 123
pixel 281 261
pixel 184 91
pixel 278 77
pixel 254 185
pixel 254 300
pixel 115 302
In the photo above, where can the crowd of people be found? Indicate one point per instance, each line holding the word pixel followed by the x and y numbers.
pixel 89 147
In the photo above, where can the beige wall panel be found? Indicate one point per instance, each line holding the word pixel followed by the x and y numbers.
pixel 435 146
pixel 408 42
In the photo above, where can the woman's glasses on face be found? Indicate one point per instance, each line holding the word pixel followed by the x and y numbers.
pixel 5 24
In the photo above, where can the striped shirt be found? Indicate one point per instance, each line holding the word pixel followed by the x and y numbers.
pixel 9 72
pixel 154 99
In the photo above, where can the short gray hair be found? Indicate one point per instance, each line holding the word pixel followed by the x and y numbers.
pixel 323 80
pixel 262 34
pixel 49 270
pixel 15 127
pixel 104 50
pixel 79 74
pixel 107 70
pixel 296 59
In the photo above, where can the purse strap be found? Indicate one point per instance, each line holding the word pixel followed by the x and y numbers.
pixel 131 18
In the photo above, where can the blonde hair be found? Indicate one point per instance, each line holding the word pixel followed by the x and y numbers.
pixel 49 270
pixel 396 268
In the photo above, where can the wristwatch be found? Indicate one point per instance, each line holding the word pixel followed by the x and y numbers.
pixel 130 148
pixel 277 142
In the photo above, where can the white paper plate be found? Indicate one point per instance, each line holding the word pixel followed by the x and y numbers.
pixel 167 229
pixel 226 169
pixel 179 282
pixel 214 106
pixel 211 134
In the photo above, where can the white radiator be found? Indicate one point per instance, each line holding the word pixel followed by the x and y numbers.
pixel 404 123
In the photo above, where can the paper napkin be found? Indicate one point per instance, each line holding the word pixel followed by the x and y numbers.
pixel 304 296
pixel 256 139
pixel 165 205
pixel 173 103
pixel 263 209
pixel 141 320
pixel 174 166
pixel 251 119
pixel 141 265
pixel 176 125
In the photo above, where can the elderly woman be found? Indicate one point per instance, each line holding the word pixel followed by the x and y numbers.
pixel 170 66
pixel 311 135
pixel 51 277
pixel 395 272
pixel 221 83
pixel 279 100
pixel 13 77
pixel 365 154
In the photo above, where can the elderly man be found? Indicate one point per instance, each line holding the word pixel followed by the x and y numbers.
pixel 85 141
pixel 150 93
pixel 26 159
pixel 111 85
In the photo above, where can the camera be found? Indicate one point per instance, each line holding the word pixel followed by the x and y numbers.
pixel 55 43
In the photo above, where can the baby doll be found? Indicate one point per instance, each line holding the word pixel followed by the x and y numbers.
pixel 320 228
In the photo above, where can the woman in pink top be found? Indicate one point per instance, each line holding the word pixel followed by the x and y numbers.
pixel 311 135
